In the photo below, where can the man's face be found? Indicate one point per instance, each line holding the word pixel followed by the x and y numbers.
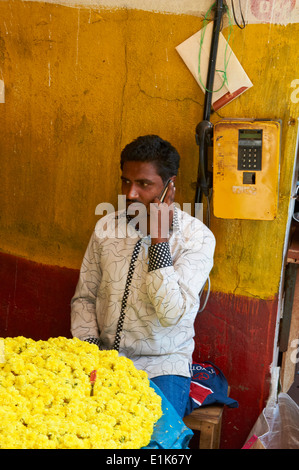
pixel 141 182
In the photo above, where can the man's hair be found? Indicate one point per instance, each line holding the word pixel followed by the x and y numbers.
pixel 153 149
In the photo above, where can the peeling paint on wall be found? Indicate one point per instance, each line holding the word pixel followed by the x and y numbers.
pixel 79 86
pixel 82 82
pixel 254 11
pixel 2 91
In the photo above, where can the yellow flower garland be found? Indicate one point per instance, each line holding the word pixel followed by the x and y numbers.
pixel 45 399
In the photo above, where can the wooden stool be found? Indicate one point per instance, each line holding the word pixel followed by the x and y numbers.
pixel 207 420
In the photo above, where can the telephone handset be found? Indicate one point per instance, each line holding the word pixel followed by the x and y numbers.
pixel 165 189
pixel 204 133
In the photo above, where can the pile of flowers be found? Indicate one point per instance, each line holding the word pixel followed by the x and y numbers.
pixel 46 399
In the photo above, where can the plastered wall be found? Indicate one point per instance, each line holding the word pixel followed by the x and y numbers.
pixel 81 81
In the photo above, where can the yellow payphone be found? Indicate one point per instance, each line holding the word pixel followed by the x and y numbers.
pixel 246 158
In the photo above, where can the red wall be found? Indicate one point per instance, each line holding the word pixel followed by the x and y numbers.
pixel 236 333
pixel 34 298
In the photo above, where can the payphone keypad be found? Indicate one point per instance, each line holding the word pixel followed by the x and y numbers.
pixel 250 150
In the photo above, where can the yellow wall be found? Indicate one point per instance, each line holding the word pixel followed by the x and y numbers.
pixel 80 83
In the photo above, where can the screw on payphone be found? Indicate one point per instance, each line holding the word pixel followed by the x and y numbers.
pixel 246 155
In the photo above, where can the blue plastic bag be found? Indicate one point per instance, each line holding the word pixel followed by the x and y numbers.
pixel 170 431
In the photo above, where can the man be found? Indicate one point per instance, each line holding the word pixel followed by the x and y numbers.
pixel 139 284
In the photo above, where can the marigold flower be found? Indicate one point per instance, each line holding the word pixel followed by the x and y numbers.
pixel 45 399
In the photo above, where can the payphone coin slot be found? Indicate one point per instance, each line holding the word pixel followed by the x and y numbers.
pixel 249 177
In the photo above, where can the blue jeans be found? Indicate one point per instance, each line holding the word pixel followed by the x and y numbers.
pixel 176 389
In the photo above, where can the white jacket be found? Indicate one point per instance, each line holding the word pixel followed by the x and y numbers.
pixel 162 304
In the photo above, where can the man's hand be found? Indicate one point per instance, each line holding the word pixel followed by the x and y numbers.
pixel 161 216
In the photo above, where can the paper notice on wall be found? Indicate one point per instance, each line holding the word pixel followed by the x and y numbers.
pixel 237 82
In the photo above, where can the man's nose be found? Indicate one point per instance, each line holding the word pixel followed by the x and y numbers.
pixel 133 192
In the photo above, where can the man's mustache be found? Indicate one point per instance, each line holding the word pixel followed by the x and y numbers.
pixel 132 201
pixel 135 207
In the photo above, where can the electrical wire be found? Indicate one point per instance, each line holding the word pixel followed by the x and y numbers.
pixel 224 74
pixel 208 213
pixel 208 281
pixel 207 295
pixel 206 88
pixel 241 13
pixel 226 59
